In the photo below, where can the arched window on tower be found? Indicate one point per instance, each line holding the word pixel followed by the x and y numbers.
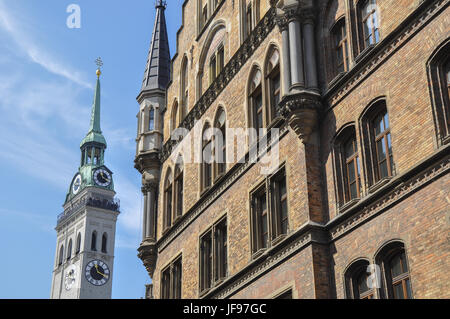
pixel 94 241
pixel 273 82
pixel 104 243
pixel 151 119
pixel 78 247
pixel 69 250
pixel 178 186
pixel 61 255
pixel 168 199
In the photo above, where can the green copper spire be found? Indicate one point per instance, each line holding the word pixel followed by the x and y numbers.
pixel 95 133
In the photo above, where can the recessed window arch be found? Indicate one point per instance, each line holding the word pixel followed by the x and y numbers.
pixel 61 255
pixel 356 281
pixel 168 199
pixel 392 260
pixel 178 187
pixel 212 56
pixel 78 247
pixel 105 243
pixel 368 17
pixel 94 241
pixel 438 68
pixel 184 88
pixel 378 151
pixel 207 157
pixel 69 250
pixel 347 165
pixel 273 82
pixel 220 145
pixel 255 100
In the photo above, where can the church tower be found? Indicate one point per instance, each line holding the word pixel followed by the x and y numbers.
pixel 86 229
pixel 152 101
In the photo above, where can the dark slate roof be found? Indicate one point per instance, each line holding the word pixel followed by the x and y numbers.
pixel 157 71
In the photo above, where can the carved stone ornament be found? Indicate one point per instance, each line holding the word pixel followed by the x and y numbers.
pixel 148 253
pixel 301 111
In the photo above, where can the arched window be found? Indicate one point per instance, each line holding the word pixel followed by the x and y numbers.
pixel 78 247
pixel 207 157
pixel 273 82
pixel 104 243
pixel 69 250
pixel 168 199
pixel 94 241
pixel 368 15
pixel 439 81
pixel 348 170
pixel 151 119
pixel 61 255
pixel 377 138
pixel 392 260
pixel 255 100
pixel 357 279
pixel 184 88
pixel 220 147
pixel 340 46
pixel 178 184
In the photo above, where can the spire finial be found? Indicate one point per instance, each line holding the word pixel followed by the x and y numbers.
pixel 161 3
pixel 99 64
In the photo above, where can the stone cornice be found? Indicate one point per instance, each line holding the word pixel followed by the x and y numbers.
pixel 258 35
pixel 384 50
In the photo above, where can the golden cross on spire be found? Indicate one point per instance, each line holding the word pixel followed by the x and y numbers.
pixel 99 64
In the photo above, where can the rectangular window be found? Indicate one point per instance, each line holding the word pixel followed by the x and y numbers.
pixel 171 280
pixel 213 255
pixel 257 104
pixel 274 87
pixel 220 59
pixel 248 20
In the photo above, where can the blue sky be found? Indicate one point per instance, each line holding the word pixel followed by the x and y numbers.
pixel 47 76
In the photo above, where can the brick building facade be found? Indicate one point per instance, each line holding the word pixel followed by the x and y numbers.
pixel 355 99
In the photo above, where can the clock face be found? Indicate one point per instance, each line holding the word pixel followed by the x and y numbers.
pixel 102 177
pixel 70 277
pixel 97 272
pixel 76 186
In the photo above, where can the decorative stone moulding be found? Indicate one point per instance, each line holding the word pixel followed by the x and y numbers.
pixel 148 254
pixel 301 112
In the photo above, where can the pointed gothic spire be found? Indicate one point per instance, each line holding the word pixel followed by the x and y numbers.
pixel 157 71
pixel 95 133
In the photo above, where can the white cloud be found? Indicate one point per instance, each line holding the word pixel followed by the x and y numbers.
pixel 34 52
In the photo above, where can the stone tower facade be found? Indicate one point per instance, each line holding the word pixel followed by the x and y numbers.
pixel 353 101
pixel 86 229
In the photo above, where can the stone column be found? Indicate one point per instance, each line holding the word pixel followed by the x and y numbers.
pixel 310 50
pixel 144 215
pixel 295 50
pixel 286 67
pixel 150 225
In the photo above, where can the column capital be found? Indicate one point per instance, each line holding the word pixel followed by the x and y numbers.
pixel 308 16
pixel 148 187
pixel 282 22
